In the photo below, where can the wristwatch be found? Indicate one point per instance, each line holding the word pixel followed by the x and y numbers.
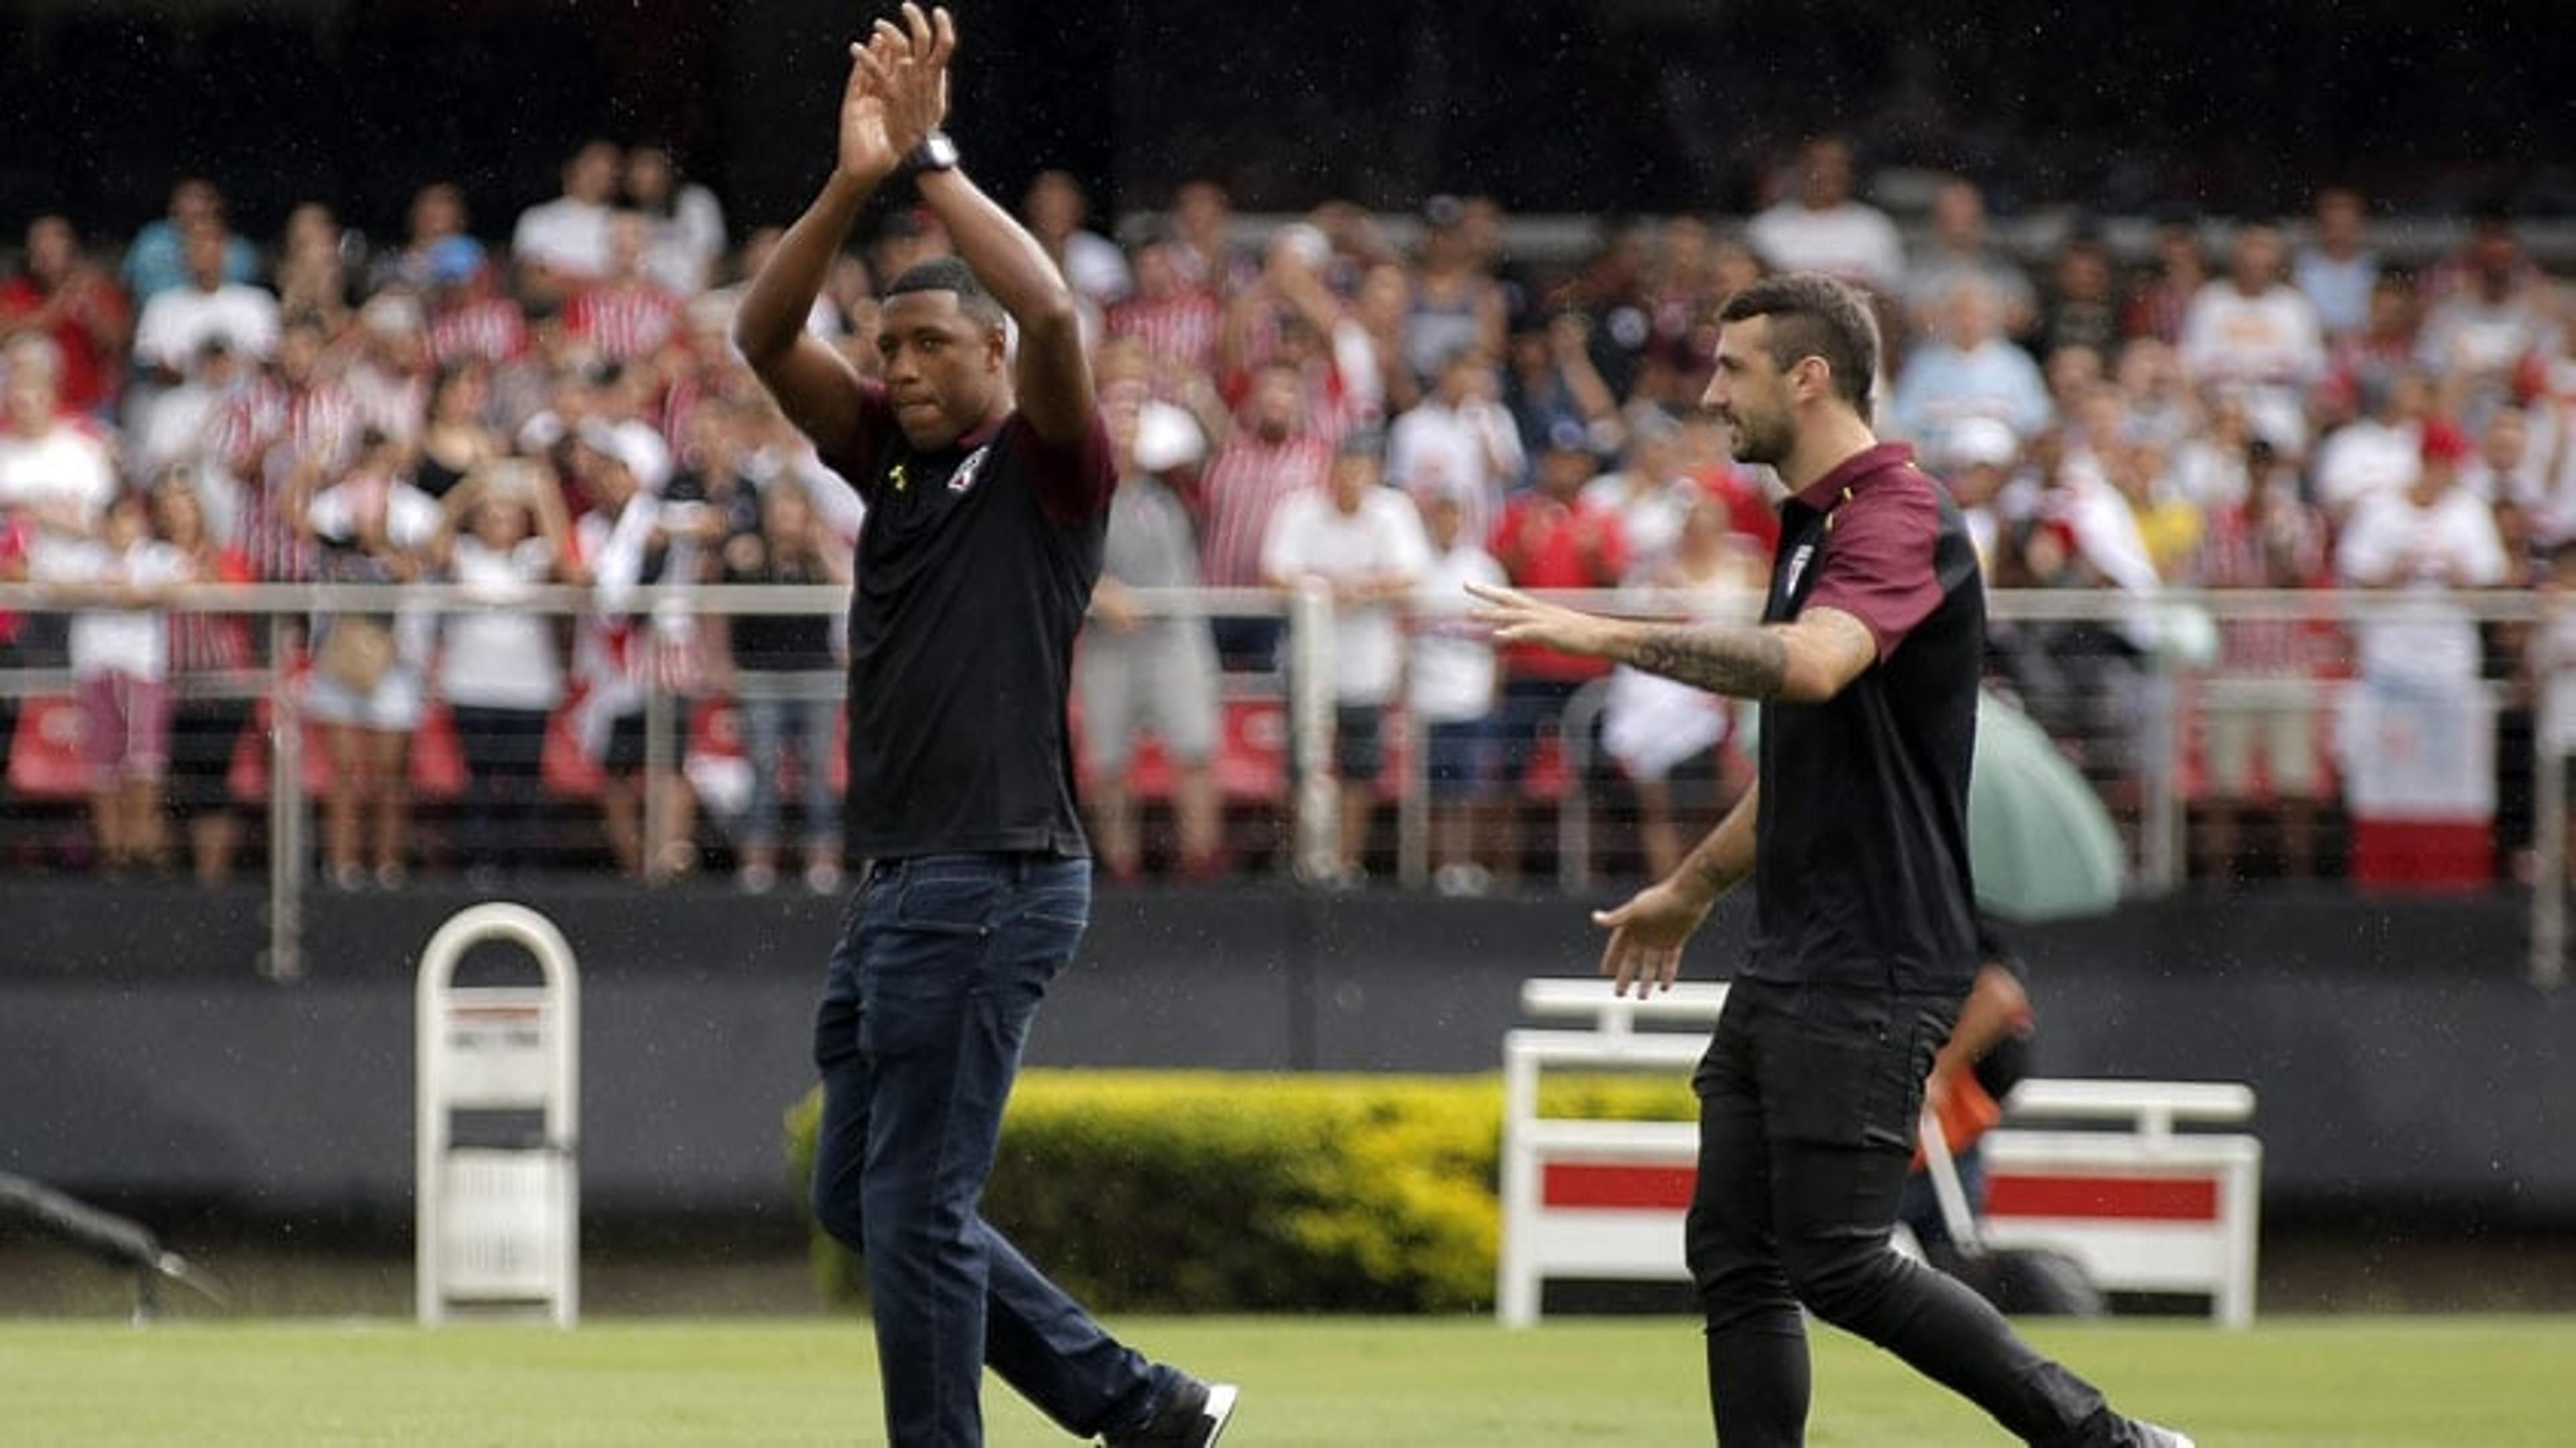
pixel 935 153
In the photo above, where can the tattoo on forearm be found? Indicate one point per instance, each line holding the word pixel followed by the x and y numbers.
pixel 1748 663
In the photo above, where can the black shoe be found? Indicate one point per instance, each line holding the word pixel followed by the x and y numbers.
pixel 2148 1435
pixel 1192 1416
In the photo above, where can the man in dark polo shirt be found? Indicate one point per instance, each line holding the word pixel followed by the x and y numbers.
pixel 1864 935
pixel 987 485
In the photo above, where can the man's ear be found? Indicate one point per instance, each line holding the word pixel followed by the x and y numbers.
pixel 1813 377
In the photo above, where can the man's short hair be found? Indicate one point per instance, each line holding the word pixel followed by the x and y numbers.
pixel 948 274
pixel 1813 315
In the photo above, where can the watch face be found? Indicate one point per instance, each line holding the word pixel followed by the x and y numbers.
pixel 937 153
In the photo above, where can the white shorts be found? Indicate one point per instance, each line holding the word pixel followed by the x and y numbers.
pixel 1163 677
pixel 395 704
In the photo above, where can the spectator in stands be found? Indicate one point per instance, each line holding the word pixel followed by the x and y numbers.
pixel 1056 207
pixel 560 244
pixel 1270 453
pixel 2382 348
pixel 2380 451
pixel 2251 332
pixel 685 221
pixel 436 250
pixel 2260 707
pixel 1959 249
pixel 1823 228
pixel 2336 268
pixel 2496 313
pixel 1363 542
pixel 60 295
pixel 120 662
pixel 2506 471
pixel 370 667
pixel 1460 442
pixel 156 261
pixel 2081 305
pixel 1647 492
pixel 1177 319
pixel 1609 290
pixel 2418 734
pixel 623 315
pixel 471 316
pixel 1667 736
pixel 1381 306
pixel 208 302
pixel 629 538
pixel 1203 249
pixel 1552 380
pixel 1454 302
pixel 1549 539
pixel 389 372
pixel 2176 272
pixel 15 539
pixel 1288 314
pixel 1140 669
pixel 787 682
pixel 1454 684
pixel 1966 369
pixel 316 267
pixel 211 658
pixel 500 667
pixel 284 436
pixel 456 437
pixel 57 473
pixel 178 429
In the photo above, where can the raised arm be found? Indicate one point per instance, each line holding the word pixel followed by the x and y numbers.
pixel 908 66
pixel 815 386
pixel 1805 662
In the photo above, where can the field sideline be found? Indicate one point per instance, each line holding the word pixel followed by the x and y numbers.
pixel 2373 1382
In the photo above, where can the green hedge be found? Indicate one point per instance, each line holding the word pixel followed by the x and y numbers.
pixel 1205 1191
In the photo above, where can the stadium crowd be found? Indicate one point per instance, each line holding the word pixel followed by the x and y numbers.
pixel 1380 421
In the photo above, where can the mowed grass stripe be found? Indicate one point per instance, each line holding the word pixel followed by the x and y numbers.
pixel 1441 1383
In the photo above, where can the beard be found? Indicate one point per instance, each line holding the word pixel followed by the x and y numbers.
pixel 1756 443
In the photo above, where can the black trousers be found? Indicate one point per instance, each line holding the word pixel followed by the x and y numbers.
pixel 1808 1102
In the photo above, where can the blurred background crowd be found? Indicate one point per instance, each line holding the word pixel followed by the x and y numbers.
pixel 1372 405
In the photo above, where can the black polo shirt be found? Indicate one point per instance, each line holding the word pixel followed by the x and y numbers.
pixel 1861 868
pixel 975 567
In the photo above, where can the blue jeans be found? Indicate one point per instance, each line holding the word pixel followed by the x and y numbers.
pixel 937 977
pixel 767 724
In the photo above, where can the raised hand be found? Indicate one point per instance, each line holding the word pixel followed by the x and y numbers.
pixel 1520 619
pixel 905 69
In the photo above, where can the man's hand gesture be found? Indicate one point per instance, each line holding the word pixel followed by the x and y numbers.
pixel 1520 619
pixel 898 91
pixel 1646 937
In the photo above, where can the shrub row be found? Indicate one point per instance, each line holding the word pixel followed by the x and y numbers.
pixel 1199 1191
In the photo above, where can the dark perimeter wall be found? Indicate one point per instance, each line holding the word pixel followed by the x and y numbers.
pixel 2402 1062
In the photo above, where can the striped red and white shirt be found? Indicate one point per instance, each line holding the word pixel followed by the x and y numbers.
pixel 625 320
pixel 1244 485
pixel 1179 331
pixel 487 329
pixel 264 434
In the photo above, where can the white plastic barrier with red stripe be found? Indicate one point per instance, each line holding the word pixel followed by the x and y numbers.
pixel 2144 1207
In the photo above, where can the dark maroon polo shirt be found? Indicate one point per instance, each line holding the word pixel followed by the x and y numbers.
pixel 1861 873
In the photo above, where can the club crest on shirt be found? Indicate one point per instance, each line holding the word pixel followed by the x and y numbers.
pixel 964 478
pixel 1797 568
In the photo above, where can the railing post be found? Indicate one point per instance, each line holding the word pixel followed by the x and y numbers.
pixel 2160 819
pixel 2548 807
pixel 1317 847
pixel 288 859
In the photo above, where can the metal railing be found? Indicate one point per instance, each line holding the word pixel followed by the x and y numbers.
pixel 2152 791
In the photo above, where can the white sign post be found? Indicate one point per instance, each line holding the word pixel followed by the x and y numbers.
pixel 499 1188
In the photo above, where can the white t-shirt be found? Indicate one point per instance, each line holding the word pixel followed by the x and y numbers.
pixel 2365 457
pixel 1309 537
pixel 505 658
pixel 176 323
pixel 2431 552
pixel 1853 241
pixel 67 466
pixel 1453 659
pixel 1470 453
pixel 563 235
pixel 134 642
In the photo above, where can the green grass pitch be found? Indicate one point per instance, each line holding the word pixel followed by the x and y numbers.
pixel 2378 1382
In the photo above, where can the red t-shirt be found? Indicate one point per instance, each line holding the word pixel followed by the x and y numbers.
pixel 1543 543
